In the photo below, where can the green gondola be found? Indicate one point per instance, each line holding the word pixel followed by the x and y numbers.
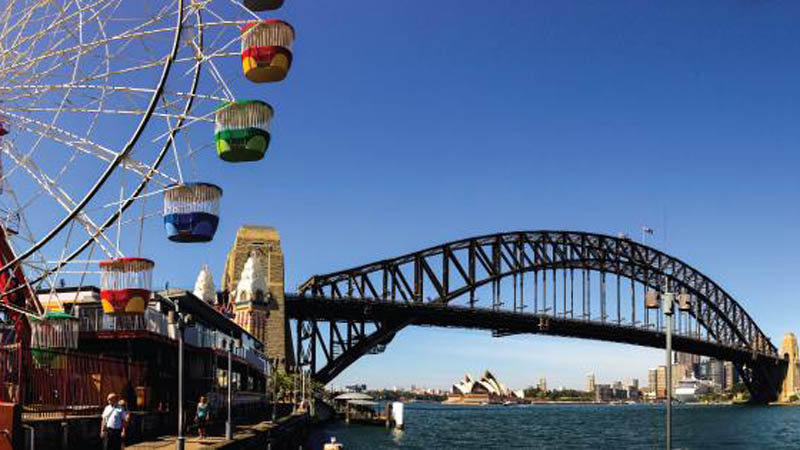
pixel 242 130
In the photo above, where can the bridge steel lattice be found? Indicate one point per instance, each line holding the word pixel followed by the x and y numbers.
pixel 563 283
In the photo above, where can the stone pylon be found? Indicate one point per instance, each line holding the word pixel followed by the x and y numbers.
pixel 791 383
pixel 273 328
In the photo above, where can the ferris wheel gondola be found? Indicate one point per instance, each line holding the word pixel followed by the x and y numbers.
pixel 262 5
pixel 267 50
pixel 191 212
pixel 102 105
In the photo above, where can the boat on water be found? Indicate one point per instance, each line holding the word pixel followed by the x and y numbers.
pixel 690 390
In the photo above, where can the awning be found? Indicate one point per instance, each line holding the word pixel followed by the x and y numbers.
pixel 353 396
pixel 363 402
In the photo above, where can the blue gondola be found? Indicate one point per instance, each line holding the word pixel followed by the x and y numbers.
pixel 191 211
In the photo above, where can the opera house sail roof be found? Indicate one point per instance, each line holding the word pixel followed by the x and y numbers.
pixel 488 384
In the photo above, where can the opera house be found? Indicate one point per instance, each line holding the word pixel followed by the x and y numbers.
pixel 485 391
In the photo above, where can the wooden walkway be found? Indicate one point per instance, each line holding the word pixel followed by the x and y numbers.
pixel 245 436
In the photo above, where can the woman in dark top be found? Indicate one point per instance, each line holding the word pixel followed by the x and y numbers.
pixel 201 417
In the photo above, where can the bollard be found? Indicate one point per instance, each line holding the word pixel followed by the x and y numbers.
pixel 333 445
pixel 65 435
pixel 397 415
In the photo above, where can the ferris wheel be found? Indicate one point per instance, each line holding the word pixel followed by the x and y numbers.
pixel 109 110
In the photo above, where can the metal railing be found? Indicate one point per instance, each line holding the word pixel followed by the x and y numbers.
pixel 94 320
pixel 64 383
pixel 200 336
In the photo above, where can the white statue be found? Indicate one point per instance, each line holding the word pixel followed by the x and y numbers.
pixel 204 286
pixel 251 283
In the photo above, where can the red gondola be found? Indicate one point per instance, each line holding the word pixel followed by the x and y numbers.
pixel 125 285
pixel 267 50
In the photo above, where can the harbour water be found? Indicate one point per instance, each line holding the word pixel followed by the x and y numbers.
pixel 431 426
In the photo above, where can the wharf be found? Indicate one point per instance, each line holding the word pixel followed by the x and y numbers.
pixel 287 432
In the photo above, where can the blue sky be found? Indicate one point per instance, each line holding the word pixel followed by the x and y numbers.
pixel 407 124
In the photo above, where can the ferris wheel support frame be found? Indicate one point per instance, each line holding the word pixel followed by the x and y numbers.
pixel 152 170
pixel 114 163
pixel 145 179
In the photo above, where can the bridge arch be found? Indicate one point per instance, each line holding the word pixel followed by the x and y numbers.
pixel 447 278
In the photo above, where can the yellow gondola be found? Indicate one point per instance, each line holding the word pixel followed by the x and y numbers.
pixel 266 50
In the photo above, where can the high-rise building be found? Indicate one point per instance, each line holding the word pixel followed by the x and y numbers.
pixel 686 359
pixel 542 384
pixel 661 382
pixel 633 382
pixel 652 379
pixel 266 243
pixel 590 382
pixel 603 393
pixel 657 380
pixel 731 375
pixel 717 373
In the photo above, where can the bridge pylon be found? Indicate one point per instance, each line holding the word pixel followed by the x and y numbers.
pixel 275 335
pixel 791 382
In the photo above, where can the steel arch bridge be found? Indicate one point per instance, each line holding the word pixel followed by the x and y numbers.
pixel 564 283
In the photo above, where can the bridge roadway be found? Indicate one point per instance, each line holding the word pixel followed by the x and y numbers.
pixel 503 322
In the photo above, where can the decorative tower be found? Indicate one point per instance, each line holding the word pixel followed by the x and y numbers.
pixel 251 299
pixel 791 383
pixel 266 243
pixel 204 286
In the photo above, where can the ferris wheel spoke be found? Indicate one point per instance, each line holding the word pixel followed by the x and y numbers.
pixel 83 48
pixel 105 111
pixel 64 200
pixel 36 90
pixel 61 24
pixel 86 146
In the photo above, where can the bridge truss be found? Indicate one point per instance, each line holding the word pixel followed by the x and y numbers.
pixel 557 282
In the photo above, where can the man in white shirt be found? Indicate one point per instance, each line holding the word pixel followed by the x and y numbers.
pixel 112 424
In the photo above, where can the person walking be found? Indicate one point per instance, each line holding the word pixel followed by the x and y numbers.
pixel 112 424
pixel 201 417
pixel 126 419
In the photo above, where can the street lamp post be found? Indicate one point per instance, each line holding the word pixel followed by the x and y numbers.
pixel 668 301
pixel 228 424
pixel 274 372
pixel 181 321
pixel 181 439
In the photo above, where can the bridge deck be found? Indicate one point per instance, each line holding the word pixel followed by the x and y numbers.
pixel 504 323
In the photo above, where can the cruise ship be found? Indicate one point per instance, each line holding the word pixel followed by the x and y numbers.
pixel 690 390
